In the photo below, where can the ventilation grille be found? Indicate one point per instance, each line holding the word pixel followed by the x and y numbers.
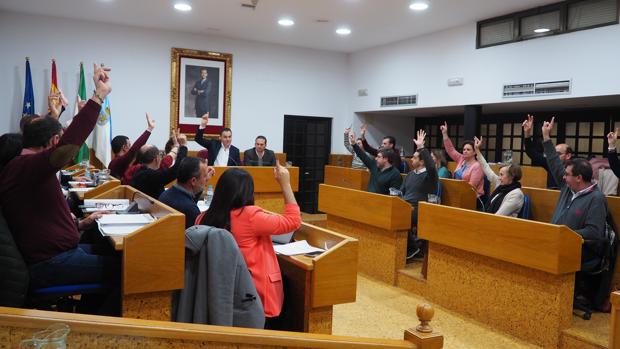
pixel 399 100
pixel 537 89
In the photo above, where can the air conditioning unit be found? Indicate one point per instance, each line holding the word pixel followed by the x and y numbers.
pixel 532 89
pixel 392 101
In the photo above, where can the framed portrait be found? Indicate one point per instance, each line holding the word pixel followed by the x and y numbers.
pixel 200 85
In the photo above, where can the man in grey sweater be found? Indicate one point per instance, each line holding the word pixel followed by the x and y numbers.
pixel 581 207
pixel 420 182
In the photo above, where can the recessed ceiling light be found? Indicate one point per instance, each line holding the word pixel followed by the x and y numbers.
pixel 343 31
pixel 286 22
pixel 541 30
pixel 419 5
pixel 182 6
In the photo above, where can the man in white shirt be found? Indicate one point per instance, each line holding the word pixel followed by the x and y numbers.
pixel 221 150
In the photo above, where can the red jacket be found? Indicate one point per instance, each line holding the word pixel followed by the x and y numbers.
pixel 252 229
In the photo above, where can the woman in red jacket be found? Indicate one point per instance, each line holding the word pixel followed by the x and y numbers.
pixel 232 208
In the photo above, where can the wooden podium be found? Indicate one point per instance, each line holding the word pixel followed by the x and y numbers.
pixel 457 193
pixel 346 177
pixel 501 270
pixel 312 285
pixel 381 224
pixel 267 192
pixel 153 258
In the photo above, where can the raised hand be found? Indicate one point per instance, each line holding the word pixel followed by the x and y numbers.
pixel 210 172
pixel 546 129
pixel 419 141
pixel 352 138
pixel 281 174
pixel 175 140
pixel 444 128
pixel 54 105
pixel 102 81
pixel 477 143
pixel 182 138
pixel 63 100
pixel 347 130
pixel 204 120
pixel 528 126
pixel 611 139
pixel 150 123
pixel 363 130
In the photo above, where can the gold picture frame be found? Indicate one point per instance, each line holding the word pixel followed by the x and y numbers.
pixel 191 93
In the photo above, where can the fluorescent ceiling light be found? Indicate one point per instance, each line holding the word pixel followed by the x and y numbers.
pixel 343 31
pixel 419 5
pixel 541 30
pixel 182 6
pixel 286 22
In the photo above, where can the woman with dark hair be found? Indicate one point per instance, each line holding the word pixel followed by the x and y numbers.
pixel 467 167
pixel 233 208
pixel 507 198
pixel 441 163
pixel 10 147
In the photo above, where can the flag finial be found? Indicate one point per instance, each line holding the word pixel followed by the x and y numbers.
pixel 27 58
pixel 53 60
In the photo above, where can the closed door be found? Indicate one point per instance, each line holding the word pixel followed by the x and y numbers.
pixel 307 143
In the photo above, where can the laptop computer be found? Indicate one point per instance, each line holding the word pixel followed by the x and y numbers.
pixel 282 238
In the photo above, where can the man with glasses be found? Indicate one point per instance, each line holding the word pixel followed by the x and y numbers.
pixel 582 207
pixel 565 153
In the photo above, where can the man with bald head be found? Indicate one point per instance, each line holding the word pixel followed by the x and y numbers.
pixel 564 152
pixel 150 177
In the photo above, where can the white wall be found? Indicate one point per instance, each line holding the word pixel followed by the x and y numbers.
pixel 268 80
pixel 423 65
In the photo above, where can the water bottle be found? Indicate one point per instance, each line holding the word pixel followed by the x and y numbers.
pixel 402 152
pixel 209 195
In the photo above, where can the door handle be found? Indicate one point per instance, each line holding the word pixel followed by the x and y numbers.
pixel 306 173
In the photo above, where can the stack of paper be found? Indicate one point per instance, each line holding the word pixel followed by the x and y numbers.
pixel 122 224
pixel 93 205
pixel 297 247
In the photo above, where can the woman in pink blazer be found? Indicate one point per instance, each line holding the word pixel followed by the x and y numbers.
pixel 232 208
pixel 467 167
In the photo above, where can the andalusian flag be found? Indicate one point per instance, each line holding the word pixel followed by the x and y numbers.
pixel 28 92
pixel 54 87
pixel 84 152
pixel 102 135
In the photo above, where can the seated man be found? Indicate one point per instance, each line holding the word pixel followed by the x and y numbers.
pixel 388 142
pixel 182 196
pixel 416 187
pixel 150 178
pixel 124 151
pixel 383 175
pixel 221 151
pixel 564 151
pixel 36 210
pixel 581 207
pixel 259 155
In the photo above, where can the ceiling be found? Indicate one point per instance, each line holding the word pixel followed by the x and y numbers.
pixel 373 22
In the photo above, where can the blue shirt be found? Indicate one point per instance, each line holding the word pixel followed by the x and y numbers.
pixel 183 201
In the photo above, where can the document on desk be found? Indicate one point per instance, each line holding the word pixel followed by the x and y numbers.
pixel 122 224
pixel 94 205
pixel 295 248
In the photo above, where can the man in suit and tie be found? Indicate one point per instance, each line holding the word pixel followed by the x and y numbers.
pixel 221 151
pixel 259 155
pixel 203 90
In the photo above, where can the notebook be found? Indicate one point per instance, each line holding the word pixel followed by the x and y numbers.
pixel 283 238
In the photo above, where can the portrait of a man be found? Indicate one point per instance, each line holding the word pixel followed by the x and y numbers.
pixel 203 91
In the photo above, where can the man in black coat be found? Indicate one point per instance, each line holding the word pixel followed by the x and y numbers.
pixel 221 151
pixel 204 92
pixel 259 155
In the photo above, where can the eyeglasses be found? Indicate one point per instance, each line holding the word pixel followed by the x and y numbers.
pixel 559 153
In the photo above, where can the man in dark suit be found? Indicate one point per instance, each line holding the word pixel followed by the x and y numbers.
pixel 221 151
pixel 259 155
pixel 204 92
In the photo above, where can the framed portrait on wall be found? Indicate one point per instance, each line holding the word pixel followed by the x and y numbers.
pixel 200 85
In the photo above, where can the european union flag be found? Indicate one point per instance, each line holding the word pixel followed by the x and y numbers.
pixel 28 93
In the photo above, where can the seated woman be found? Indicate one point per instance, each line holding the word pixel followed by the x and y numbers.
pixel 441 163
pixel 232 208
pixel 467 167
pixel 507 198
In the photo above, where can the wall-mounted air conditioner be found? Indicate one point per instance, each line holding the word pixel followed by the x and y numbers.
pixel 530 89
pixel 399 100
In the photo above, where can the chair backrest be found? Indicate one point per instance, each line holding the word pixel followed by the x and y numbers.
pixel 525 209
pixel 14 277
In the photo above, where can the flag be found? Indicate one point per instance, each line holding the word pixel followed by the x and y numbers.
pixel 54 87
pixel 84 152
pixel 102 134
pixel 28 93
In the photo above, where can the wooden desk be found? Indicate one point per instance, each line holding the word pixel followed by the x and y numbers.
pixel 153 258
pixel 381 224
pixel 457 193
pixel 267 192
pixel 340 160
pixel 101 188
pixel 280 156
pixel 501 270
pixel 346 177
pixel 313 285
